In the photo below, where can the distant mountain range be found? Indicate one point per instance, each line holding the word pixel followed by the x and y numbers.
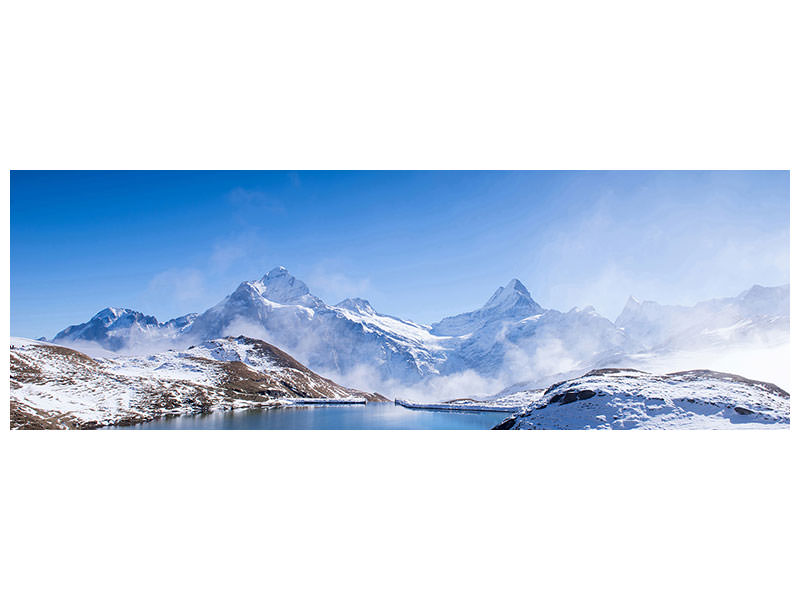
pixel 756 315
pixel 511 337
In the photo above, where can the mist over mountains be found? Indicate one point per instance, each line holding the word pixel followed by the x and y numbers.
pixel 510 339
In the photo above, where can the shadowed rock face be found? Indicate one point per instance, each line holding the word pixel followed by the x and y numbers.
pixel 53 387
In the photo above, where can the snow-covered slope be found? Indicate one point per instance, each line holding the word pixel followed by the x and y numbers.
pixel 630 399
pixel 54 387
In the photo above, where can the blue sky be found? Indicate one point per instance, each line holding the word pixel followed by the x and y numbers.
pixel 419 245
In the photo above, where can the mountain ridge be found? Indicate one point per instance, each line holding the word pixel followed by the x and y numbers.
pixel 511 337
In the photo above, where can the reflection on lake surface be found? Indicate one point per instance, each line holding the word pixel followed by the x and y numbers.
pixel 374 415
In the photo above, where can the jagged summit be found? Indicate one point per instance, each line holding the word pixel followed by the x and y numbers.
pixel 182 321
pixel 513 289
pixel 281 286
pixel 358 305
pixel 762 300
pixel 113 328
pixel 120 317
pixel 586 310
pixel 632 302
pixel 111 314
pixel 276 273
pixel 109 321
pixel 509 302
pixel 513 296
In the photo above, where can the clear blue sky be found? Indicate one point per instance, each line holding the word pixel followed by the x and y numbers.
pixel 419 245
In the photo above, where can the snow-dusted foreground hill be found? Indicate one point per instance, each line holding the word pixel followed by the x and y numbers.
pixel 53 387
pixel 631 399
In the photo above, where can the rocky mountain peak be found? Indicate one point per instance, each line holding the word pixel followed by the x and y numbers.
pixel 358 305
pixel 514 295
pixel 281 286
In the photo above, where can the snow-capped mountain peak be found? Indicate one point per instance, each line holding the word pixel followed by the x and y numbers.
pixel 760 300
pixel 111 317
pixel 513 299
pixel 632 303
pixel 511 302
pixel 281 286
pixel 508 294
pixel 586 310
pixel 114 328
pixel 110 314
pixel 357 305
pixel 182 322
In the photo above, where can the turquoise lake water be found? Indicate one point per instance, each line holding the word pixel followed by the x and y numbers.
pixel 374 415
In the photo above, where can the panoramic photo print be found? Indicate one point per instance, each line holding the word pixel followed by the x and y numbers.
pixel 502 300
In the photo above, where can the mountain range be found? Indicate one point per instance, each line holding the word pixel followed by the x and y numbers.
pixel 760 314
pixel 510 338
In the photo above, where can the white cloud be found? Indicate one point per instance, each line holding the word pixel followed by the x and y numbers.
pixel 181 285
pixel 231 251
pixel 333 285
pixel 668 252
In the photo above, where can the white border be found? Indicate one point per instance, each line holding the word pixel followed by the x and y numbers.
pixel 352 85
